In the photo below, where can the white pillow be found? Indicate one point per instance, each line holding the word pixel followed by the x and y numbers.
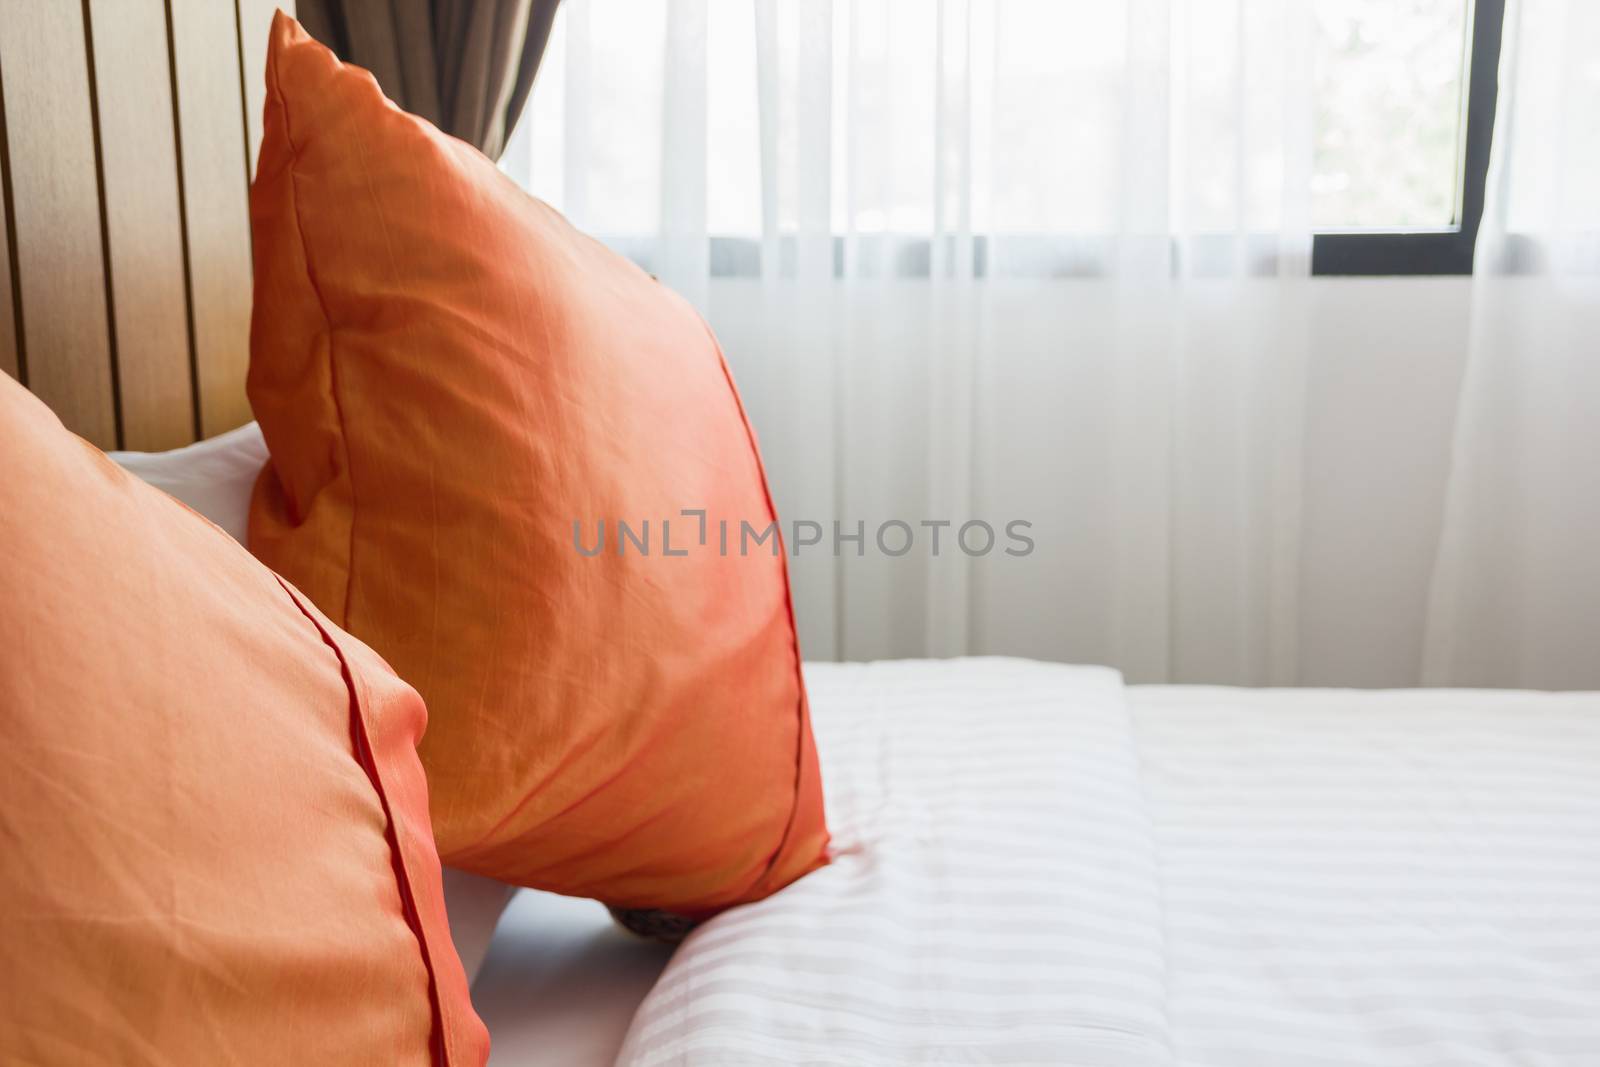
pixel 216 477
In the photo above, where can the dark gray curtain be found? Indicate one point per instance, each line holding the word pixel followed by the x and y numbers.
pixel 464 65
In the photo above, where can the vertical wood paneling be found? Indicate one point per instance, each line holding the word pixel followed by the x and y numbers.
pixel 139 160
pixel 205 56
pixel 255 19
pixel 56 212
pixel 131 279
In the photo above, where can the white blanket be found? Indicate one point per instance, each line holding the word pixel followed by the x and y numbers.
pixel 1037 866
pixel 1377 878
pixel 993 895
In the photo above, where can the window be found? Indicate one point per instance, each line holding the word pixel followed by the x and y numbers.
pixel 1045 129
pixel 1405 93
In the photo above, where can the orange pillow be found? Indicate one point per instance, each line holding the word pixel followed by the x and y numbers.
pixel 450 379
pixel 215 823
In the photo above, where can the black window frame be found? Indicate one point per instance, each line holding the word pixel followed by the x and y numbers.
pixel 1447 251
pixel 1364 253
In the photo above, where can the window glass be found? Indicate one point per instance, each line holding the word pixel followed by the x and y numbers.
pixel 1390 82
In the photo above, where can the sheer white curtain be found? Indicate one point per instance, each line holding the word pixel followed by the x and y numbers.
pixel 986 260
pixel 1007 260
pixel 1516 593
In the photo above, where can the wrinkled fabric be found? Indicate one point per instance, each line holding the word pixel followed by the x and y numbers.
pixel 458 391
pixel 215 824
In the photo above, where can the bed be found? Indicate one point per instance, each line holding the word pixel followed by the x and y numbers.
pixel 1036 864
pixel 1033 863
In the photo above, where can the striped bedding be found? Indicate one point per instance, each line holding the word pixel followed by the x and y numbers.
pixel 1037 865
pixel 1377 878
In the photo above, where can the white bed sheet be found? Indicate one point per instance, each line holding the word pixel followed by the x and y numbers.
pixel 1377 878
pixel 561 983
pixel 1343 878
pixel 1394 879
pixel 993 894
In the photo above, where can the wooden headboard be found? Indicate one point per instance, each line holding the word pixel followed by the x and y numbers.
pixel 128 131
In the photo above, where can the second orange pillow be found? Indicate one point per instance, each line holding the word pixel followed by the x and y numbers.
pixel 458 390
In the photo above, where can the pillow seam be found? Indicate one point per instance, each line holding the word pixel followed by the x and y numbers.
pixel 355 685
pixel 801 724
pixel 327 322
